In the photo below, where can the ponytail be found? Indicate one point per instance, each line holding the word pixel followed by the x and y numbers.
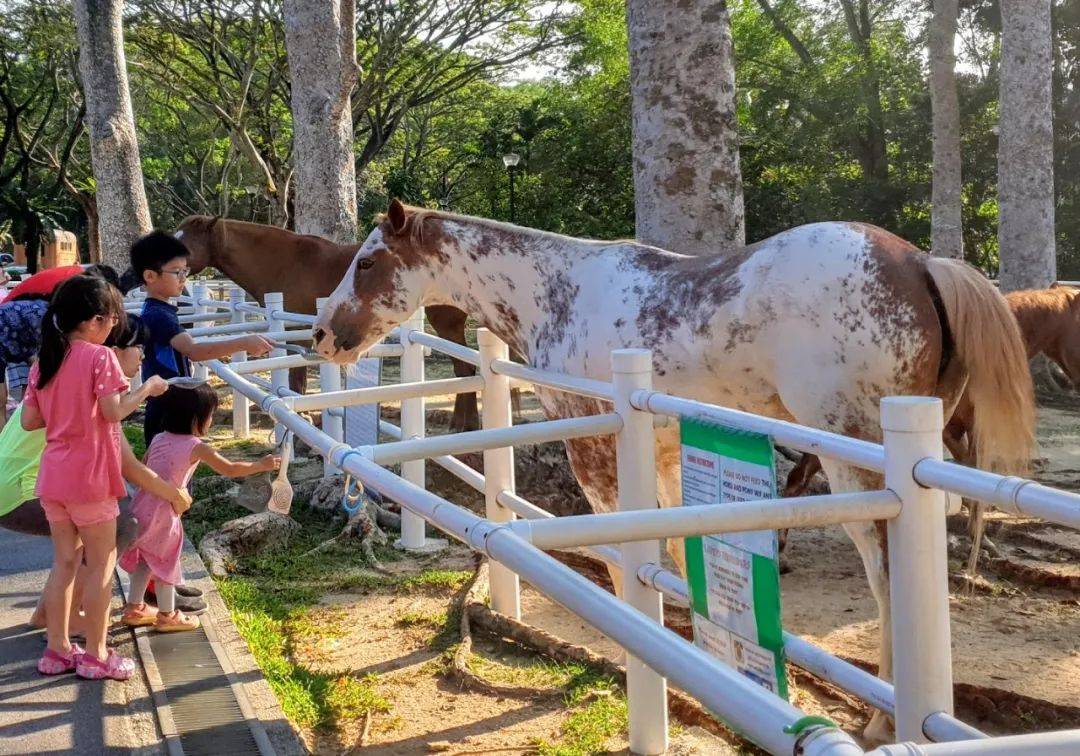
pixel 54 348
pixel 75 301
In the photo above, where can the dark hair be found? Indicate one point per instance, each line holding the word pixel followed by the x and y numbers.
pixel 154 250
pixel 75 301
pixel 101 270
pixel 185 410
pixel 134 333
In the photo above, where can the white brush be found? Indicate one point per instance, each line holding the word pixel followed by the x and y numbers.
pixel 281 490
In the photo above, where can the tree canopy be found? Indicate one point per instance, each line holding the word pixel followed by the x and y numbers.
pixel 833 106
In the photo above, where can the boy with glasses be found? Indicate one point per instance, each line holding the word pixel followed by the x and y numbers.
pixel 160 260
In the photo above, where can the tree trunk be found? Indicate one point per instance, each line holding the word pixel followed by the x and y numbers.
pixel 93 241
pixel 320 39
pixel 1026 148
pixel 124 215
pixel 687 181
pixel 946 227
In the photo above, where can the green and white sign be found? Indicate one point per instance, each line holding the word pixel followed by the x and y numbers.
pixel 734 578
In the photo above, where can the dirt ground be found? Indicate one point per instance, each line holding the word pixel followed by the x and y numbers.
pixel 1016 632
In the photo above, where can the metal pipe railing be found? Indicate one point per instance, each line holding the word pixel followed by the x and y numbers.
pixel 811 440
pixel 681 522
pixel 393 392
pixel 449 348
pixel 473 441
pixel 559 381
pixel 1015 495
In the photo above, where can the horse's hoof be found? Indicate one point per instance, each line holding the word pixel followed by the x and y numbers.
pixel 784 564
pixel 880 730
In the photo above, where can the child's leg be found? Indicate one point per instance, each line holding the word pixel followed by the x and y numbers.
pixel 166 597
pixel 140 578
pixel 99 540
pixel 58 587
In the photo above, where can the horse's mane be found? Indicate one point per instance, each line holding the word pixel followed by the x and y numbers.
pixel 418 216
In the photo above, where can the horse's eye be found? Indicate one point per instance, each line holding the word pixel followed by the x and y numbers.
pixel 365 263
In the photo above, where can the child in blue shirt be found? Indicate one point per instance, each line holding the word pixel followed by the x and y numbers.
pixel 160 261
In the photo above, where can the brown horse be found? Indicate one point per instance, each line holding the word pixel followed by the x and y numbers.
pixel 263 259
pixel 1049 321
pixel 814 325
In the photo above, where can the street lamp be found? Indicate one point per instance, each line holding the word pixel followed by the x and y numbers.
pixel 510 160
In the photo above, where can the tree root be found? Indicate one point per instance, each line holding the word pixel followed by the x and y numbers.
pixel 363 529
pixel 468 599
pixel 247 535
pixel 476 613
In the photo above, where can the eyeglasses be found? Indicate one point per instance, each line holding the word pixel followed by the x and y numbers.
pixel 112 318
pixel 181 275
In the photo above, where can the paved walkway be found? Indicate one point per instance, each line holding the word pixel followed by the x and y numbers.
pixel 65 714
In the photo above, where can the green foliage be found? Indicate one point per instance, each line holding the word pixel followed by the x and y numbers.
pixel 443 96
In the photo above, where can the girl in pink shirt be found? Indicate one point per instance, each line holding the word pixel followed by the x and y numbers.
pixel 78 393
pixel 174 454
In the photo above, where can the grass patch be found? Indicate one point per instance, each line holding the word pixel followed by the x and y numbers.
pixel 134 435
pixel 272 622
pixel 529 673
pixel 420 619
pixel 598 713
pixel 436 580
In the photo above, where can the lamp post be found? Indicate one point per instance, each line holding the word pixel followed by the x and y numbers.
pixel 510 160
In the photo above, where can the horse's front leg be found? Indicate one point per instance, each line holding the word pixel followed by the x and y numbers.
pixel 449 324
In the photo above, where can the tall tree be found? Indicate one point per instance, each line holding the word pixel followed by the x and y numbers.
pixel 123 213
pixel 687 179
pixel 1026 147
pixel 321 41
pixel 946 228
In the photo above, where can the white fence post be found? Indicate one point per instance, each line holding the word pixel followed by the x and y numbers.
pixel 635 454
pixel 918 566
pixel 412 426
pixel 498 466
pixel 330 380
pixel 279 379
pixel 241 417
pixel 200 291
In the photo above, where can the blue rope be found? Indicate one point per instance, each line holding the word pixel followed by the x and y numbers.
pixel 351 503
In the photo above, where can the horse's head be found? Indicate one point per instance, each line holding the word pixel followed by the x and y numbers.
pixel 382 287
pixel 198 232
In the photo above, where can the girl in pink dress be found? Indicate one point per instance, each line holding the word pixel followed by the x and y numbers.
pixel 173 455
pixel 78 393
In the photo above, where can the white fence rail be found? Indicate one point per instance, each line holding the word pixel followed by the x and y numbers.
pixel 919 489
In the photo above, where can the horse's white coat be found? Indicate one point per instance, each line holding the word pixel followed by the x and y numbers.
pixel 802 326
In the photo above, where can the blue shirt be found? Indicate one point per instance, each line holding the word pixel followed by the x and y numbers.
pixel 163 324
pixel 20 331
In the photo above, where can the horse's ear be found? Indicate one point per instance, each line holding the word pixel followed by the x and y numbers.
pixel 397 216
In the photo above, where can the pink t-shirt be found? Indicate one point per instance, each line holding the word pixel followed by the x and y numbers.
pixel 81 462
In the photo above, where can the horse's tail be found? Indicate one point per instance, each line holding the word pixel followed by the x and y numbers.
pixel 991 350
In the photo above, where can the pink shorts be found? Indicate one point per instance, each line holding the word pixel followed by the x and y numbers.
pixel 82 514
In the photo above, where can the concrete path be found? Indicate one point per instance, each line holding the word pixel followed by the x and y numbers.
pixel 40 715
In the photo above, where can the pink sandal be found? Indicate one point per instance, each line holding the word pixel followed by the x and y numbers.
pixel 55 663
pixel 139 615
pixel 175 622
pixel 115 667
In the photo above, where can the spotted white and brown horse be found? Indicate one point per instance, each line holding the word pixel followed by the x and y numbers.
pixel 814 325
pixel 261 259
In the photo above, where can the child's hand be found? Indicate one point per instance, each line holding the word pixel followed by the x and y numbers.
pixel 181 502
pixel 256 346
pixel 269 463
pixel 155 385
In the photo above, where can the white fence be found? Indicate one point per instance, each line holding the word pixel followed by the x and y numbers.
pixel 919 488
